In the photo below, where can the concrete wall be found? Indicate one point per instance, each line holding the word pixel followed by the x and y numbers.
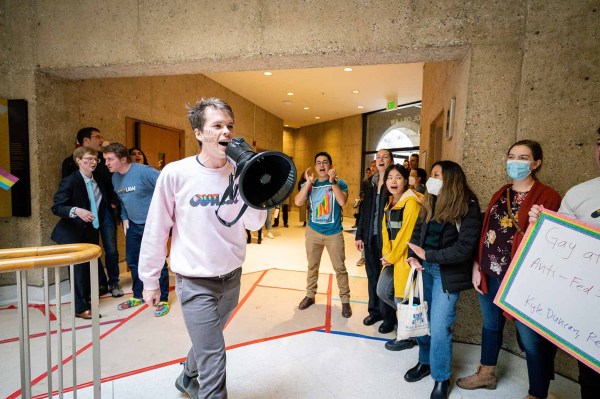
pixel 532 71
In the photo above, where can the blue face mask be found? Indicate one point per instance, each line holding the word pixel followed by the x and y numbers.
pixel 517 170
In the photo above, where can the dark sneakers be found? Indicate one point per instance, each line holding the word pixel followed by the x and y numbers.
pixel 417 373
pixel 386 328
pixel 395 345
pixel 306 302
pixel 372 319
pixel 187 385
pixel 441 390
pixel 346 310
pixel 116 291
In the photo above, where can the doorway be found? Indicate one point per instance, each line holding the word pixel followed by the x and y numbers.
pixel 161 144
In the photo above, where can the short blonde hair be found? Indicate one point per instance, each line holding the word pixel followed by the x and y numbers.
pixel 81 151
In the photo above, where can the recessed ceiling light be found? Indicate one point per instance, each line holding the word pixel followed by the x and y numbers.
pixel 290 93
pixel 355 91
pixel 306 107
pixel 268 73
pixel 286 125
pixel 360 106
pixel 347 69
pixel 317 117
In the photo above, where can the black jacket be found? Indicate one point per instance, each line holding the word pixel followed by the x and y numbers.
pixel 364 229
pixel 456 251
pixel 72 192
pixel 101 174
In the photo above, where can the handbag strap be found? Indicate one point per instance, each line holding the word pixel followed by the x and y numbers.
pixel 409 288
pixel 510 212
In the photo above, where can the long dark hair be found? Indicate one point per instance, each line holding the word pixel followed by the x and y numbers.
pixel 452 202
pixel 145 160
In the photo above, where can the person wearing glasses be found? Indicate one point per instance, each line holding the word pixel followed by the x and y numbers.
pixel 134 183
pixel 81 202
pixel 326 194
pixel 92 138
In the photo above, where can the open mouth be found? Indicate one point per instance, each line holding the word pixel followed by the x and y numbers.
pixel 224 143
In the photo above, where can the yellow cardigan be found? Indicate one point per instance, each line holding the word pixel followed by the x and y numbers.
pixel 396 251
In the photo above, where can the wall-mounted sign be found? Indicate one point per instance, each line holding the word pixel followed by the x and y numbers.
pixel 15 199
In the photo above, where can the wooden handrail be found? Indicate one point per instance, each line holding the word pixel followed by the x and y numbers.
pixel 16 259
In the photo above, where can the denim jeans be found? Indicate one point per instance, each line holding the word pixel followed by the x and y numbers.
pixel 108 233
pixel 436 350
pixel 493 324
pixel 540 355
pixel 133 242
pixel 376 306
pixel 385 287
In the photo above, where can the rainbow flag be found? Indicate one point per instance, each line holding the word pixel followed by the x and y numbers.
pixel 7 180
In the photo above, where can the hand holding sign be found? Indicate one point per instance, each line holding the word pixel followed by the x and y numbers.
pixel 553 285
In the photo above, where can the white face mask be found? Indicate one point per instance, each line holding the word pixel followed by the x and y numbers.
pixel 434 186
pixel 411 180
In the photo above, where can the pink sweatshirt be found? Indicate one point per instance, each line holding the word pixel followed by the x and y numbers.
pixel 186 197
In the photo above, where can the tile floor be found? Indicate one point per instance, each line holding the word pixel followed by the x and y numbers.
pixel 274 349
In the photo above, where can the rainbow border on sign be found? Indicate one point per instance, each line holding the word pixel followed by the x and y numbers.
pixel 513 269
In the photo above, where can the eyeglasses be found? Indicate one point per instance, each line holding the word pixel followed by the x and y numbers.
pixel 91 160
pixel 324 163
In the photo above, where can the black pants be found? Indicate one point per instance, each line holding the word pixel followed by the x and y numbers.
pixel 589 381
pixel 284 211
pixel 81 272
pixel 373 268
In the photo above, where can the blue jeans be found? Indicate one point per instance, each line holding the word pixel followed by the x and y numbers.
pixel 493 324
pixel 133 242
pixel 540 355
pixel 108 233
pixel 436 350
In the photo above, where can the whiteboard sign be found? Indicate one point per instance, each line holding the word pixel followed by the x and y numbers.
pixel 553 285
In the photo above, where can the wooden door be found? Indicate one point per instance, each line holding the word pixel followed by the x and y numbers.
pixel 159 143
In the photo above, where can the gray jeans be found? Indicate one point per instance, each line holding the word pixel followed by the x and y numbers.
pixel 207 303
pixel 385 287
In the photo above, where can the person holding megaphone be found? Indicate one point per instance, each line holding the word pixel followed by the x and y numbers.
pixel 206 253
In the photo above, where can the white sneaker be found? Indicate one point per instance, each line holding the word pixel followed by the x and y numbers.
pixel 270 235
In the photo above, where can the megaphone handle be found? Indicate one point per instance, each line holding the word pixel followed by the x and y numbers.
pixel 229 224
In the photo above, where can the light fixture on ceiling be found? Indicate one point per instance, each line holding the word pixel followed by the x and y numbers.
pixel 306 107
pixel 286 125
pixel 317 117
pixel 267 73
pixel 347 69
pixel 355 91
pixel 360 107
pixel 287 102
pixel 290 93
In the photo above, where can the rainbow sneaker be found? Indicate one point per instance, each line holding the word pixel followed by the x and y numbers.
pixel 162 308
pixel 130 303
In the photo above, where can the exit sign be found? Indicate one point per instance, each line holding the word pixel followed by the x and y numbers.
pixel 391 104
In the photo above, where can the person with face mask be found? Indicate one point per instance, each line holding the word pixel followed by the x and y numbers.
pixel 417 180
pixel 504 224
pixel 443 247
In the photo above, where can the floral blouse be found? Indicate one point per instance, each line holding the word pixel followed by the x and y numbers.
pixel 497 245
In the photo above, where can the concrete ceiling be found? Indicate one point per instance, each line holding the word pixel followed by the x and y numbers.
pixel 327 92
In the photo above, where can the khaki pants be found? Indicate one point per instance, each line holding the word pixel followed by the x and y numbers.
pixel 315 242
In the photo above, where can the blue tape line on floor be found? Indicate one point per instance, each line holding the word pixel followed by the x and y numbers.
pixel 355 335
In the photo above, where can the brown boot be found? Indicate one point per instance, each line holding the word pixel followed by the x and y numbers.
pixel 484 377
